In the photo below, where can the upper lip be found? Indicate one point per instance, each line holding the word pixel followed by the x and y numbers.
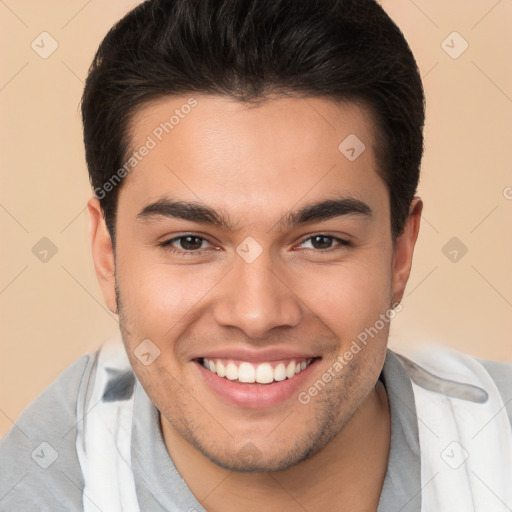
pixel 255 355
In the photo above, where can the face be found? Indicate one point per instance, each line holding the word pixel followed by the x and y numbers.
pixel 249 243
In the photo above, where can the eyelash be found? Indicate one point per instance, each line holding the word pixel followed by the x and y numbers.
pixel 182 252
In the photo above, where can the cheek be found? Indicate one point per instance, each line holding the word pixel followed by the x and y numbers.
pixel 157 298
pixel 160 300
pixel 347 298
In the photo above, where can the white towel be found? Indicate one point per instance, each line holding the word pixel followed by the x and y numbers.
pixel 464 433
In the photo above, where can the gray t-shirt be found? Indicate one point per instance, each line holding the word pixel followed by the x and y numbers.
pixel 39 467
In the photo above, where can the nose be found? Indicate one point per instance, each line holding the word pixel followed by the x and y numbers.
pixel 255 298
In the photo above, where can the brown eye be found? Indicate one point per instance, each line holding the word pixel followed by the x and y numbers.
pixel 185 244
pixel 191 243
pixel 321 242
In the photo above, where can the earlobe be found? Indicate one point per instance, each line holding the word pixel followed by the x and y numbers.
pixel 404 249
pixel 102 253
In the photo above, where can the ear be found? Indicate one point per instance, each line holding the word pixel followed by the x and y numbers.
pixel 404 248
pixel 102 252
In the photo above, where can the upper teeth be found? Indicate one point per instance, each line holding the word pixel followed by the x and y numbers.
pixel 263 373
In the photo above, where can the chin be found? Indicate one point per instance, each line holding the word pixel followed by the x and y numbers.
pixel 250 460
pixel 265 456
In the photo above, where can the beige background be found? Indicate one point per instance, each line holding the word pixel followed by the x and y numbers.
pixel 52 312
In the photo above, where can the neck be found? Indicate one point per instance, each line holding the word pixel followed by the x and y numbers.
pixel 349 469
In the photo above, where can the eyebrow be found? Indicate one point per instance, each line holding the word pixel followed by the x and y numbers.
pixel 325 210
pixel 202 214
pixel 192 211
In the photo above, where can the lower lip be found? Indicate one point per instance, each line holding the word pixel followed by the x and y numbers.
pixel 254 395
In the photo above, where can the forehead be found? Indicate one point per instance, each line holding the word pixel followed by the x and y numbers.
pixel 237 155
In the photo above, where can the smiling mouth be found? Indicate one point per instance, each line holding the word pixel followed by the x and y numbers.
pixel 258 373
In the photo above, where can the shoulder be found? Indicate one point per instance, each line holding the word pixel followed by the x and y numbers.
pixel 501 374
pixel 39 465
pixel 460 375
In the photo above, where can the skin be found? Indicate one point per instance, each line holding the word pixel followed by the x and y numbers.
pixel 255 165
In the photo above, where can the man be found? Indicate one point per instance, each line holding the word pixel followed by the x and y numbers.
pixel 254 166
